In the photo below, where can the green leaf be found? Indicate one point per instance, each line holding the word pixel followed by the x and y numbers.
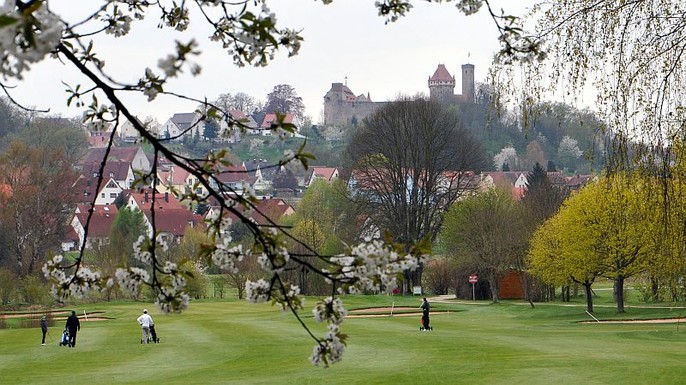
pixel 6 20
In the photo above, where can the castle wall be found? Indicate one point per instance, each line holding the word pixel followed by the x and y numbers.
pixel 343 113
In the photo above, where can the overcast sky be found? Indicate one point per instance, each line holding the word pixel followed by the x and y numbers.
pixel 343 39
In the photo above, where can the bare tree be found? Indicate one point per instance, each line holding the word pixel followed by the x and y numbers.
pixel 239 101
pixel 36 205
pixel 410 160
pixel 283 99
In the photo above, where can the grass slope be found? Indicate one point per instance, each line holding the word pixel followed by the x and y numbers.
pixel 240 343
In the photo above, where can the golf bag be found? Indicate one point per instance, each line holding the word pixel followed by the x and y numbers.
pixel 425 322
pixel 65 338
pixel 153 334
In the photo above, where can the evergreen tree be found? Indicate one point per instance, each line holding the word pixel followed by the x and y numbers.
pixel 211 130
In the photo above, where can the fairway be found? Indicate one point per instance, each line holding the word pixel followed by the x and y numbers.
pixel 240 343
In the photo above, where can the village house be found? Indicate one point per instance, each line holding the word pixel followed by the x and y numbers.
pixel 133 155
pixel 233 180
pixel 266 211
pixel 327 174
pixel 263 172
pixel 117 177
pixel 513 181
pixel 233 134
pixel 98 228
pixel 271 210
pixel 171 218
pixel 267 120
pixel 173 179
pixel 182 125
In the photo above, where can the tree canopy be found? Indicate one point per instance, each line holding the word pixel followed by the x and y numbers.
pixel 283 99
pixel 607 230
pixel 485 232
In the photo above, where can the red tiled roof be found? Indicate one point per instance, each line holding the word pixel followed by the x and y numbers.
pixel 273 209
pixel 271 118
pixel 504 179
pixel 173 176
pixel 126 154
pixel 173 221
pixel 233 174
pixel 325 173
pixel 101 221
pixel 238 115
pixel 442 74
pixel 144 200
pixel 118 169
pixel 84 187
pixel 70 235
pixel 98 140
pixel 170 215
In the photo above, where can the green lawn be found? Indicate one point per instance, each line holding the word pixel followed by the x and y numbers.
pixel 233 342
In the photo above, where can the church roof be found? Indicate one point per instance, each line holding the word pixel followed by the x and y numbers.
pixel 442 74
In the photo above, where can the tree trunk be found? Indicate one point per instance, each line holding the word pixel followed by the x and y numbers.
pixel 619 287
pixel 527 288
pixel 655 289
pixel 493 283
pixel 589 296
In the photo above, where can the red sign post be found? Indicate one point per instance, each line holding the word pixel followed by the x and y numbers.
pixel 473 279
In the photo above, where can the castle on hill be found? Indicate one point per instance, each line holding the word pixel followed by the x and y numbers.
pixel 343 108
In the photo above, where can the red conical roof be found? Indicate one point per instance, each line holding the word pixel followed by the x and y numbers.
pixel 442 74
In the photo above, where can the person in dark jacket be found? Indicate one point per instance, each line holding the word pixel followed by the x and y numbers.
pixel 43 328
pixel 425 314
pixel 73 325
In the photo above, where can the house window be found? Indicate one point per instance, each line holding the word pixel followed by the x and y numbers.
pixel 113 195
pixel 102 195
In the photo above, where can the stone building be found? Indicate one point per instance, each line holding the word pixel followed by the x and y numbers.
pixel 343 108
pixel 442 85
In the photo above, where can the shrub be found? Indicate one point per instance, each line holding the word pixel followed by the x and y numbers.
pixel 33 291
pixel 439 276
pixel 8 285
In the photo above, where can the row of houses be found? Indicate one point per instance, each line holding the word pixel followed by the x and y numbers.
pixel 116 182
pixel 183 126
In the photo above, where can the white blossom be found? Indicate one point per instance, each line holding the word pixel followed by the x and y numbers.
pixel 29 39
pixel 258 291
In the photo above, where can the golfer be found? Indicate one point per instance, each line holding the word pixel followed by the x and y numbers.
pixel 146 322
pixel 43 328
pixel 73 325
pixel 425 314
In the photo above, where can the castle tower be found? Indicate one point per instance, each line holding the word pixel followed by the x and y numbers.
pixel 468 82
pixel 442 84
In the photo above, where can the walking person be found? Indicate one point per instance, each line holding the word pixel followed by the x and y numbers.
pixel 146 322
pixel 43 328
pixel 425 314
pixel 73 325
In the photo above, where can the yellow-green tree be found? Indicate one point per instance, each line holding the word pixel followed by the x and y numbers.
pixel 561 251
pixel 625 224
pixel 604 230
